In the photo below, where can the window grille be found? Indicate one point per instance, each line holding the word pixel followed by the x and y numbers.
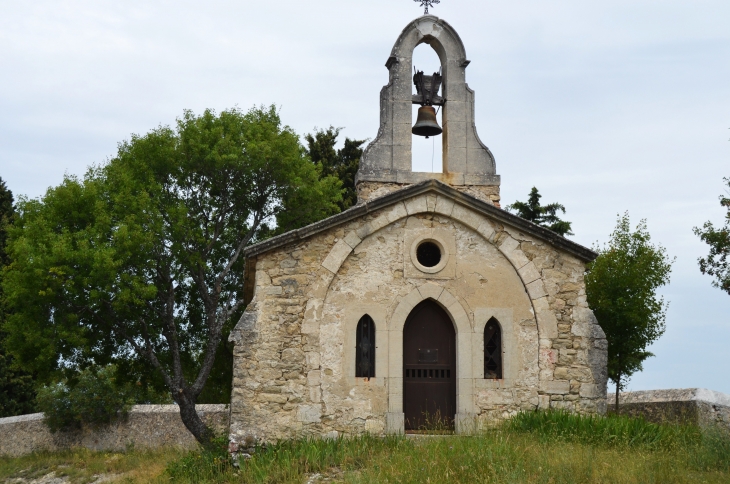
pixel 365 348
pixel 492 350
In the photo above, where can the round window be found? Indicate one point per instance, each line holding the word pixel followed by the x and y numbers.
pixel 428 254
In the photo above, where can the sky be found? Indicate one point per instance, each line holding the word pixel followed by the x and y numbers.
pixel 605 107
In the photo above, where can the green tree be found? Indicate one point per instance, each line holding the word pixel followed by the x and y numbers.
pixel 95 399
pixel 545 216
pixel 141 260
pixel 342 163
pixel 17 392
pixel 717 263
pixel 621 288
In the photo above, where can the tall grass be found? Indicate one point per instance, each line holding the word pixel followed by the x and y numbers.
pixel 285 461
pixel 613 430
pixel 540 447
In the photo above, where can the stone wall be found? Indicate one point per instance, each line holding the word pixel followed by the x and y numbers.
pixel 367 190
pixel 148 426
pixel 697 406
pixel 294 351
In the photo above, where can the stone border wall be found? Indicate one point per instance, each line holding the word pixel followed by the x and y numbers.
pixel 147 426
pixel 697 406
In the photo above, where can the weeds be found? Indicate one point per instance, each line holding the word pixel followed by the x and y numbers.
pixel 612 430
pixel 538 447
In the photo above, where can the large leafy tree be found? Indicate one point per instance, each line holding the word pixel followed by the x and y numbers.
pixel 17 393
pixel 717 262
pixel 621 288
pixel 342 163
pixel 543 215
pixel 142 258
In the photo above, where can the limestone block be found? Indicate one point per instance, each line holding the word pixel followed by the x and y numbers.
pixel 312 316
pixel 508 244
pixel 486 229
pixel 396 212
pixel 378 223
pixel 590 390
pixel 431 202
pixel 395 423
pixel 555 387
pixel 364 230
pixel 465 423
pixel 510 249
pixel 312 359
pixel 585 324
pixel 272 290
pixel 262 278
pixel 309 413
pixel 315 394
pixel 272 397
pixel 352 239
pixel 416 205
pixel 395 360
pixel 580 374
pixel 547 324
pixel 529 273
pixel 466 216
pixel 314 378
pixel 536 289
pixel 444 206
pixel 337 256
pixel 430 290
pixel 464 355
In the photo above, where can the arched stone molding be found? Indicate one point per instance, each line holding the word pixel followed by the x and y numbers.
pixel 430 203
pixel 464 374
pixel 466 160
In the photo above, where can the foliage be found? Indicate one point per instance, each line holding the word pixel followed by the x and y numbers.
pixel 717 263
pixel 543 215
pixel 17 392
pixel 621 288
pixel 140 262
pixel 95 399
pixel 342 163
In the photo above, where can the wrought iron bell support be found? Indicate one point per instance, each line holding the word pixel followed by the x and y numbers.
pixel 427 88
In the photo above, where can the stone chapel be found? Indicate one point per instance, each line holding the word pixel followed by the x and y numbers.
pixel 425 302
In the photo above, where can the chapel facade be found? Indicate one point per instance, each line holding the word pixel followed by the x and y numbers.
pixel 425 303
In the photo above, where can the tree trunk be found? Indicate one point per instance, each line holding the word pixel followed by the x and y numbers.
pixel 192 420
pixel 618 387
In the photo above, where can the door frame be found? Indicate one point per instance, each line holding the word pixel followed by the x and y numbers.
pixel 395 418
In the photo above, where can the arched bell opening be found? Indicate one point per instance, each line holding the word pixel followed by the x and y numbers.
pixel 427 153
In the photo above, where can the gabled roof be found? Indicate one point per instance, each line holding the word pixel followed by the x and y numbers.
pixel 429 186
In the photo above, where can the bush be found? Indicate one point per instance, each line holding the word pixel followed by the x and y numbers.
pixel 95 400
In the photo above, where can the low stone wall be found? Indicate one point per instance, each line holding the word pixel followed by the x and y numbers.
pixel 147 426
pixel 697 406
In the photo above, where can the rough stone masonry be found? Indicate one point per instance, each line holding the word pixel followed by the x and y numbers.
pixel 295 346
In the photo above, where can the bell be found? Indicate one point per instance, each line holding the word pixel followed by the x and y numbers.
pixel 426 124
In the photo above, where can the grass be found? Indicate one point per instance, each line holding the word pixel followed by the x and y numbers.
pixel 540 447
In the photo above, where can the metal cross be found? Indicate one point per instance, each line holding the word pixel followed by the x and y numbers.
pixel 427 3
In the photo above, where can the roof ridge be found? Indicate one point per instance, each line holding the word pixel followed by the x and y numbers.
pixel 372 205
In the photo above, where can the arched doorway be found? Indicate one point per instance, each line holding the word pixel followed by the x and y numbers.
pixel 429 368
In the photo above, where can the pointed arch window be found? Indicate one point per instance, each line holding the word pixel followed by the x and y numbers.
pixel 365 348
pixel 492 350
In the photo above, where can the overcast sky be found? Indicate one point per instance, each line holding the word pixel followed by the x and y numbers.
pixel 604 106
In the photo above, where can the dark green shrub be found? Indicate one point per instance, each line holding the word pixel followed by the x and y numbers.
pixel 95 399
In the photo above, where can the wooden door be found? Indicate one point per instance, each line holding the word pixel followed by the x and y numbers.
pixel 429 368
